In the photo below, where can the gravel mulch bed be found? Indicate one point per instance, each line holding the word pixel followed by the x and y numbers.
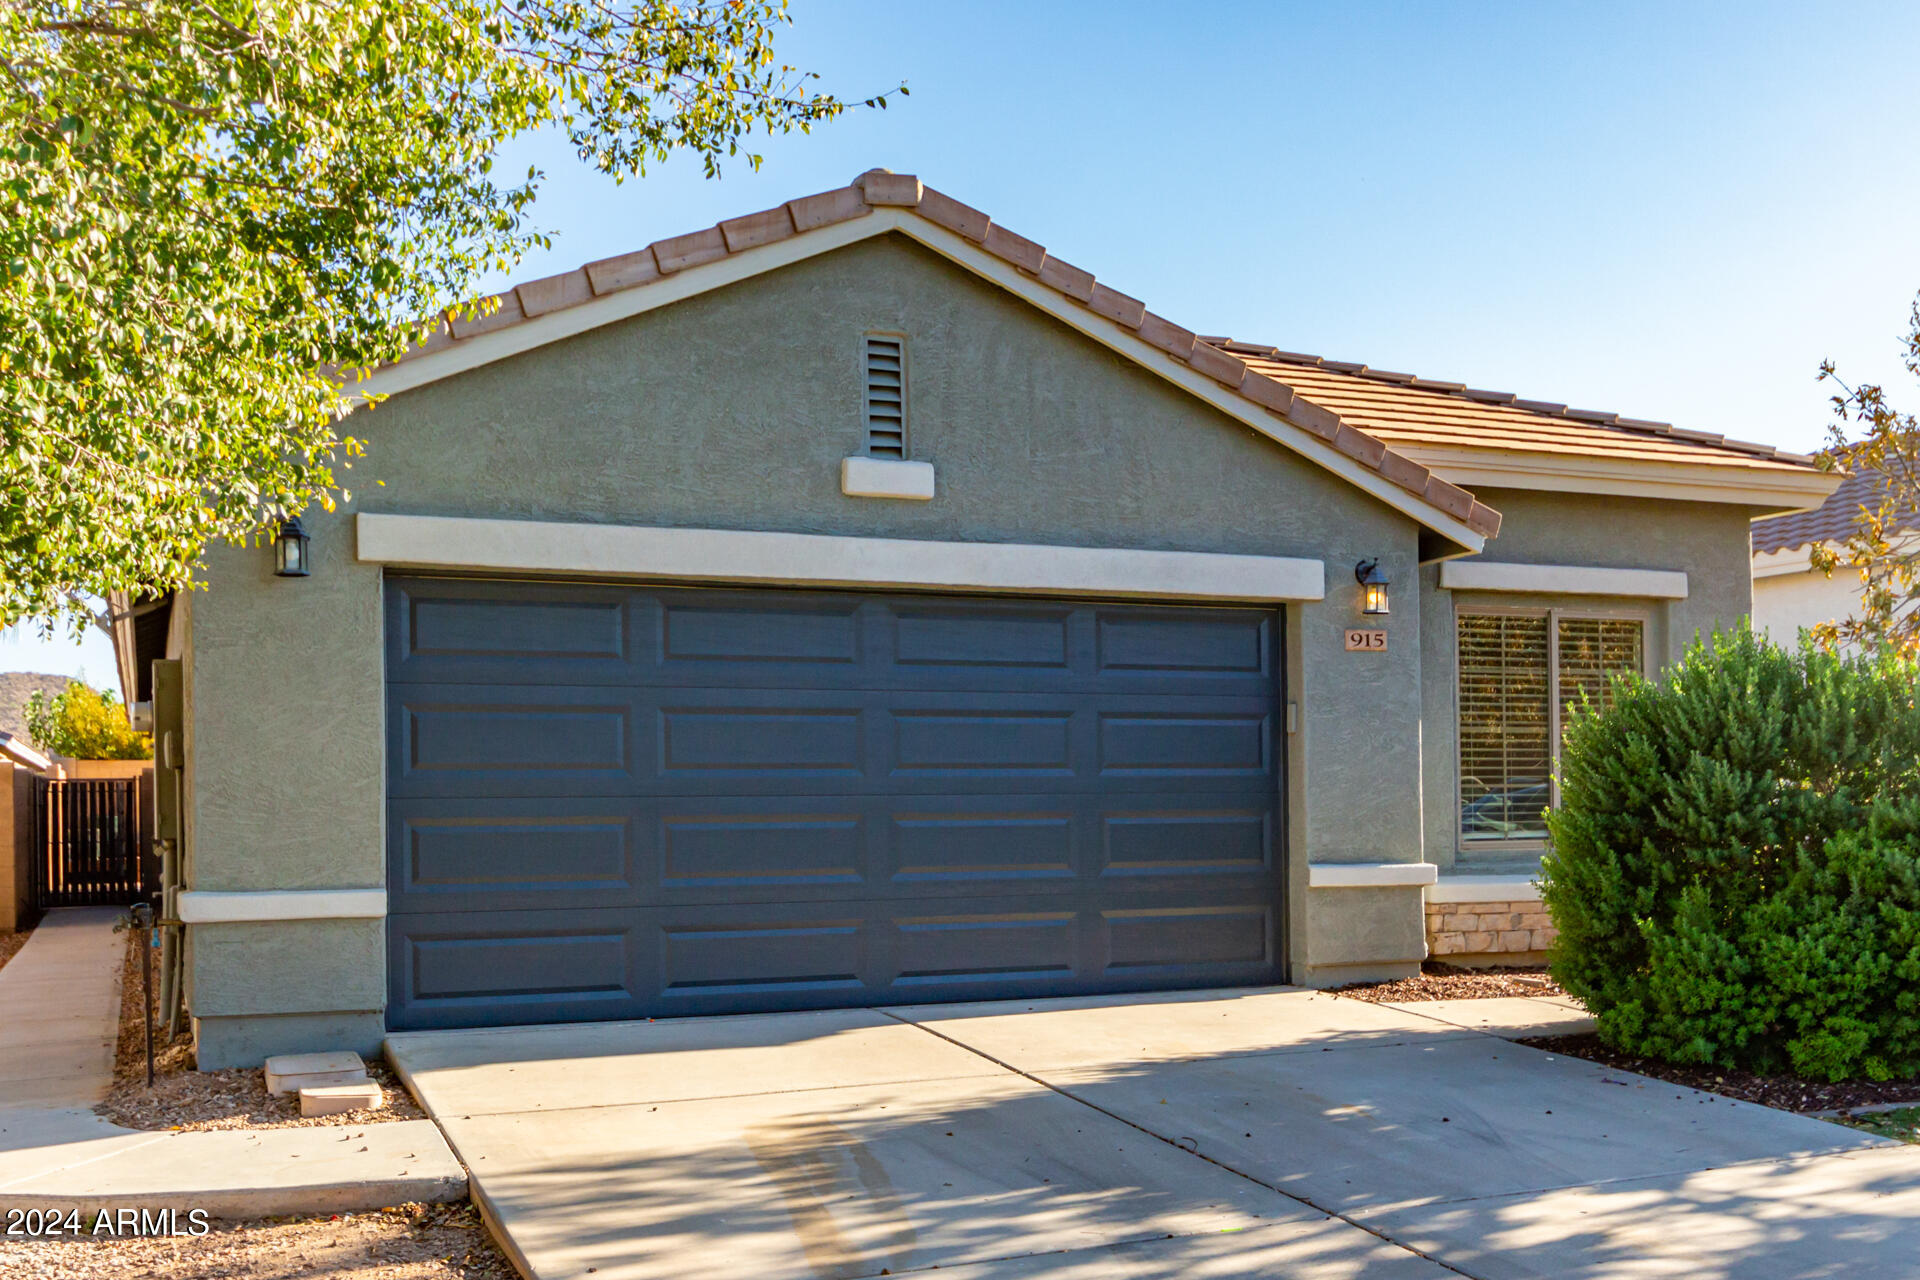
pixel 10 944
pixel 182 1098
pixel 411 1242
pixel 1787 1093
pixel 1438 980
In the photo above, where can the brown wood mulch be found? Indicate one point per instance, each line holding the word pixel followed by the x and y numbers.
pixel 1787 1093
pixel 182 1098
pixel 410 1242
pixel 1438 980
pixel 11 942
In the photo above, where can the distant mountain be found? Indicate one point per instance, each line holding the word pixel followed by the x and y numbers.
pixel 15 688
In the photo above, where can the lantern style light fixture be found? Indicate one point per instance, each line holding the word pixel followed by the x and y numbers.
pixel 1373 587
pixel 292 550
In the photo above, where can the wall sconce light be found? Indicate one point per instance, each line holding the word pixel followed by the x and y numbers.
pixel 292 550
pixel 1373 585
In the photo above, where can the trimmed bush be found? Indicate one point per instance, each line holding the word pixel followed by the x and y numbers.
pixel 1735 862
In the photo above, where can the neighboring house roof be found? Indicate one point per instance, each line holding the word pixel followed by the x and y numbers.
pixel 20 752
pixel 1379 423
pixel 1832 521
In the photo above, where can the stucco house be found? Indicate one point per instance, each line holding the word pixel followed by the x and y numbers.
pixel 853 603
pixel 1789 594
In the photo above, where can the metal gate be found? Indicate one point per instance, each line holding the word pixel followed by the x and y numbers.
pixel 87 843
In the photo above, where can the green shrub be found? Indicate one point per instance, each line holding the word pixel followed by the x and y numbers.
pixel 85 724
pixel 1735 862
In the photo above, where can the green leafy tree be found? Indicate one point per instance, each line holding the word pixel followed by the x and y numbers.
pixel 1872 435
pixel 210 208
pixel 85 724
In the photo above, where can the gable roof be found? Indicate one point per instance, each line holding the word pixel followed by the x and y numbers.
pixel 1332 414
pixel 1834 520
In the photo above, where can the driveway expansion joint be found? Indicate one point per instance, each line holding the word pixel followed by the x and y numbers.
pixel 1375 1232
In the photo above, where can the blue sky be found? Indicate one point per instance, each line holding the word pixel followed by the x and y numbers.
pixel 1671 210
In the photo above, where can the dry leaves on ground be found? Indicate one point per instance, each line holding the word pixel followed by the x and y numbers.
pixel 10 944
pixel 1438 980
pixel 412 1242
pixel 182 1098
pixel 1787 1093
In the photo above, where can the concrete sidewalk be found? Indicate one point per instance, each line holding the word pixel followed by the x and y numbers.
pixel 60 1010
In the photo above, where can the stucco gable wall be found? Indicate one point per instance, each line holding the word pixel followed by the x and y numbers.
pixel 733 410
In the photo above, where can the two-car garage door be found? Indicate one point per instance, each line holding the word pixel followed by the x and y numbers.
pixel 610 802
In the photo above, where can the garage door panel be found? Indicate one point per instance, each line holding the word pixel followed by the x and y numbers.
pixel 452 631
pixel 503 855
pixel 1187 940
pixel 468 970
pixel 772 846
pixel 497 968
pixel 1026 946
pixel 489 739
pixel 1185 744
pixel 768 800
pixel 1226 840
pixel 1178 646
pixel 967 842
pixel 702 629
pixel 994 640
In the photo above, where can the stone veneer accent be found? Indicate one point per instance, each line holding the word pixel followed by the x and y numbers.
pixel 1489 932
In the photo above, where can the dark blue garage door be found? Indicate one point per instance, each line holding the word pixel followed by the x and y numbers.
pixel 608 802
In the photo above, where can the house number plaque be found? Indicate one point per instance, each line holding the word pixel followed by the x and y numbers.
pixel 1366 640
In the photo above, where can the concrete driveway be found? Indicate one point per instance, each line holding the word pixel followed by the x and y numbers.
pixel 1210 1134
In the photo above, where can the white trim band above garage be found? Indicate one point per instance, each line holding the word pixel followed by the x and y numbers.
pixel 1563 579
pixel 1512 888
pixel 223 907
pixel 817 560
pixel 1370 875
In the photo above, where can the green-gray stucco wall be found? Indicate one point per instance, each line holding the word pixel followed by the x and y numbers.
pixel 1707 541
pixel 733 410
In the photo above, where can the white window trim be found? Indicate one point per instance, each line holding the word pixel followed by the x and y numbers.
pixel 1371 875
pixel 734 556
pixel 1563 579
pixel 1553 614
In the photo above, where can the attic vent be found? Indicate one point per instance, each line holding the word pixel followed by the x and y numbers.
pixel 886 370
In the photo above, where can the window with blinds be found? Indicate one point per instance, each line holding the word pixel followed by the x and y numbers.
pixel 1519 672
pixel 886 382
pixel 1589 653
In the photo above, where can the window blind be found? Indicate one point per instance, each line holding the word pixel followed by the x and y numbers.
pixel 1519 676
pixel 1506 724
pixel 1590 652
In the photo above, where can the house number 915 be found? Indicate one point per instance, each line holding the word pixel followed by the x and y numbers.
pixel 1366 640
